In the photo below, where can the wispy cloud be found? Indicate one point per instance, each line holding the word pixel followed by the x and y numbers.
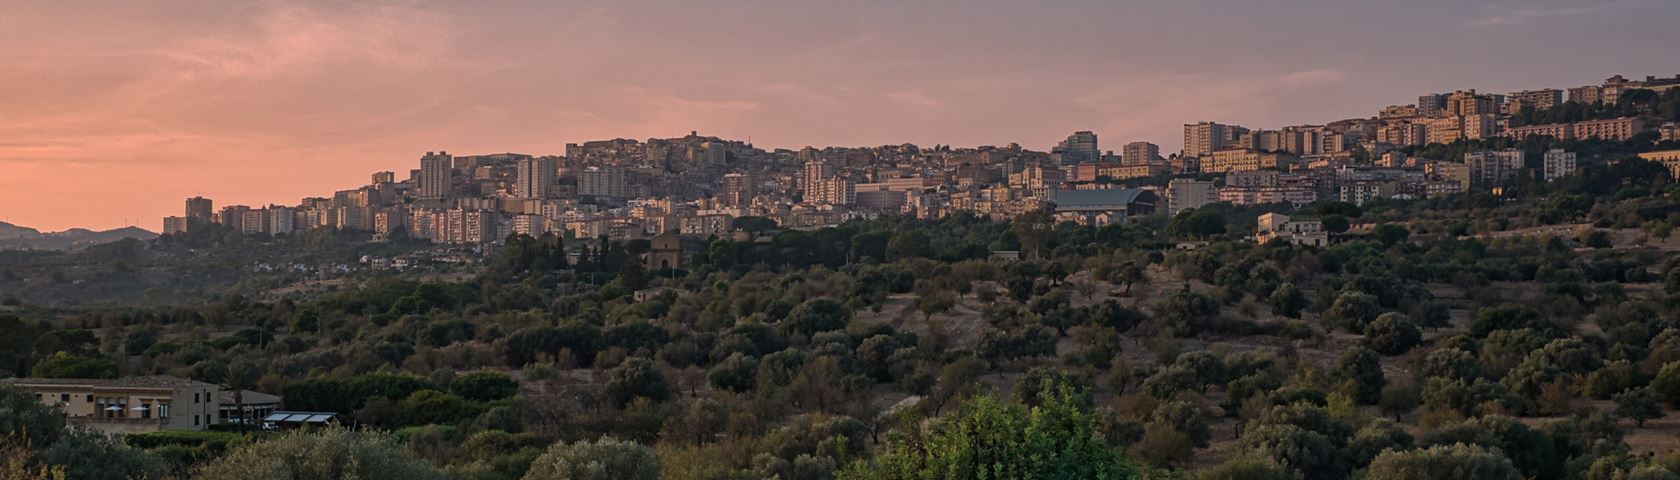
pixel 1525 14
pixel 917 99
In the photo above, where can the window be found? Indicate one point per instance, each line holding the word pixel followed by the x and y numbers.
pixel 195 420
pixel 195 397
pixel 64 397
pixel 90 398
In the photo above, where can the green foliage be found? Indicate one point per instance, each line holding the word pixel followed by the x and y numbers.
pixel 1197 224
pixel 1303 452
pixel 813 316
pixel 603 459
pixel 1667 384
pixel 1287 300
pixel 484 386
pixel 1639 405
pixel 990 439
pixel 27 419
pixel 1442 462
pixel 1533 452
pixel 636 378
pixel 327 453
pixel 345 395
pixel 1245 468
pixel 65 365
pixel 91 455
pixel 1392 334
pixel 1363 367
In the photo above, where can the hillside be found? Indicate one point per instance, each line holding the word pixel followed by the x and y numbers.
pixel 15 237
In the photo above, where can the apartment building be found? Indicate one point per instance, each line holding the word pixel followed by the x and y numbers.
pixel 130 404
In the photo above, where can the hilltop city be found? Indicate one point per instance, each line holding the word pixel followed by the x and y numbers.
pixel 1471 286
pixel 699 185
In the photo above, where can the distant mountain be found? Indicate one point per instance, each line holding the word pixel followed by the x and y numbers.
pixel 17 237
pixel 9 232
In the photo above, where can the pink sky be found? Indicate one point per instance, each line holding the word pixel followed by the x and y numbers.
pixel 112 112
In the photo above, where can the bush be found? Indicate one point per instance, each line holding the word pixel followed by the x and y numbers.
pixel 1442 462
pixel 484 386
pixel 327 453
pixel 1392 334
pixel 1667 383
pixel 604 459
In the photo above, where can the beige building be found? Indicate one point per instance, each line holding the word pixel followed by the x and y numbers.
pixel 1616 129
pixel 1493 167
pixel 1537 99
pixel 1139 153
pixel 1205 137
pixel 131 404
pixel 1242 159
pixel 1299 231
pixel 1185 194
pixel 1669 158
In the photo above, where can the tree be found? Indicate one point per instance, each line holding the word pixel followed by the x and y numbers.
pixel 1336 223
pixel 1034 229
pixel 1667 383
pixel 636 378
pixel 1245 468
pixel 935 301
pixel 990 439
pixel 1287 300
pixel 1639 404
pixel 1363 367
pixel 92 455
pixel 604 459
pixel 1306 453
pixel 816 315
pixel 738 373
pixel 1392 333
pixel 484 386
pixel 24 419
pixel 1442 462
pixel 909 244
pixel 325 453
pixel 64 365
pixel 1351 311
pixel 1398 399
pixel 240 376
pixel 1374 438
pixel 1197 224
pixel 1390 234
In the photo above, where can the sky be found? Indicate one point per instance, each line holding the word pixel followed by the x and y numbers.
pixel 113 112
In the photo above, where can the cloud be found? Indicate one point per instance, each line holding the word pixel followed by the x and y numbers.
pixel 1525 14
pixel 916 99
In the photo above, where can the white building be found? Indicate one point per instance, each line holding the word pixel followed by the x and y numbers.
pixel 1299 231
pixel 1558 164
pixel 535 177
pixel 1189 194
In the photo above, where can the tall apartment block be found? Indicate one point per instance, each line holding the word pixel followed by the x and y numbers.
pixel 1139 153
pixel 437 175
pixel 1205 137
pixel 535 177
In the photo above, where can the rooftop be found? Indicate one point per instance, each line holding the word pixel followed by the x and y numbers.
pixel 1092 198
pixel 148 381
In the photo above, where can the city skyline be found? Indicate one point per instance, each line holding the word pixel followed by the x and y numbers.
pixel 278 101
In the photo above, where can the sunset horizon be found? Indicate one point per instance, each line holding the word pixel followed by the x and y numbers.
pixel 111 119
